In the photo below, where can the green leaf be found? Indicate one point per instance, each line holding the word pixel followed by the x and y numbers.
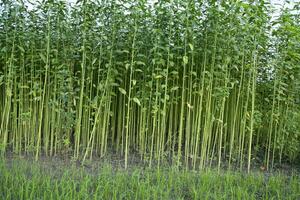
pixel 174 88
pixel 292 77
pixel 43 58
pixel 140 63
pixel 185 60
pixel 136 100
pixel 191 46
pixel 267 100
pixel 133 82
pixel 22 49
pixel 94 61
pixel 122 91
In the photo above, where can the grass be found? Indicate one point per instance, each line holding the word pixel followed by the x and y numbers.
pixel 25 179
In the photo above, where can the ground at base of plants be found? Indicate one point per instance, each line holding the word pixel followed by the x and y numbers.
pixel 22 178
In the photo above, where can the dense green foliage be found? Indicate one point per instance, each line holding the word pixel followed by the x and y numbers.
pixel 198 83
pixel 29 180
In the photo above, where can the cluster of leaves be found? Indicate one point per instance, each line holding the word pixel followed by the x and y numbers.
pixel 196 81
